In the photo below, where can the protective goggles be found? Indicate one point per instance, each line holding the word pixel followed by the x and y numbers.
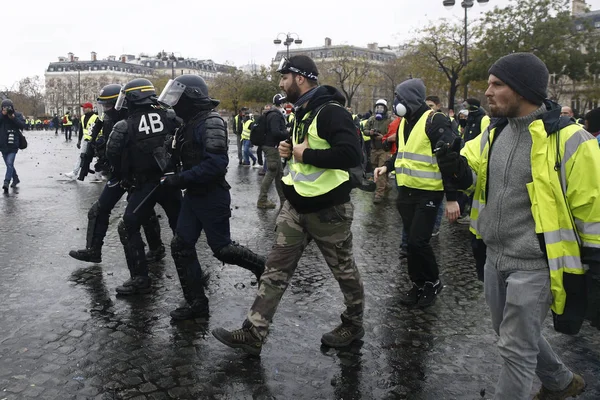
pixel 171 93
pixel 286 67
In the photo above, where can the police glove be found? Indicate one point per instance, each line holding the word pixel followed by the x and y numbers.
pixel 175 181
pixel 79 145
pixel 593 296
pixel 448 157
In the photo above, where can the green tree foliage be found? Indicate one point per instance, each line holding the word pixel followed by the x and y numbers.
pixel 439 50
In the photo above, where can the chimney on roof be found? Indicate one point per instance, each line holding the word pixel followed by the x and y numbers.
pixel 94 56
pixel 71 56
pixel 327 42
pixel 112 58
pixel 579 7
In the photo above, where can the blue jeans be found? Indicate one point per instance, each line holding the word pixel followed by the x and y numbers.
pixel 519 302
pixel 248 152
pixel 11 172
pixel 440 215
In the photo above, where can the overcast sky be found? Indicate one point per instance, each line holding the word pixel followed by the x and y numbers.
pixel 225 31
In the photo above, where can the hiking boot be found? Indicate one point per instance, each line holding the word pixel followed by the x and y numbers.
pixel 135 285
pixel 429 293
pixel 156 254
pixel 88 255
pixel 265 204
pixel 244 338
pixel 411 297
pixel 15 182
pixel 342 335
pixel 198 310
pixel 575 388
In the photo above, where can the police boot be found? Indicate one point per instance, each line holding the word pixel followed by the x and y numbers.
pixel 139 283
pixel 237 254
pixel 193 281
pixel 92 253
pixel 135 285
pixel 156 250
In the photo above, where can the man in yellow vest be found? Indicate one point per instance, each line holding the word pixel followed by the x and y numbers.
pixel 68 125
pixel 539 215
pixel 420 187
pixel 238 127
pixel 324 145
pixel 85 133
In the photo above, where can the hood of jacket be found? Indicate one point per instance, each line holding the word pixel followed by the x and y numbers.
pixel 324 94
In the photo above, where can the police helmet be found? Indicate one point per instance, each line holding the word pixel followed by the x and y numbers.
pixel 109 94
pixel 7 103
pixel 278 99
pixel 192 88
pixel 138 91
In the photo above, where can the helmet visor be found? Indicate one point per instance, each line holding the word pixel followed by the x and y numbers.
pixel 171 93
pixel 120 100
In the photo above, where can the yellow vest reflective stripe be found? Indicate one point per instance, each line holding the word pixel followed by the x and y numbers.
pixel 416 166
pixel 69 122
pixel 563 233
pixel 87 134
pixel 362 127
pixel 308 180
pixel 246 129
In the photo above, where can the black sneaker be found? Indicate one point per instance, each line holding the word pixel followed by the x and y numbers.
pixel 15 182
pixel 87 255
pixel 197 310
pixel 135 285
pixel 411 297
pixel 5 187
pixel 429 293
pixel 243 339
pixel 156 254
pixel 343 335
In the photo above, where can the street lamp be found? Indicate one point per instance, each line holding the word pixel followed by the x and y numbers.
pixel 289 39
pixel 466 4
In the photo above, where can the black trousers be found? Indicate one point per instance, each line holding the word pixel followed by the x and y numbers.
pixel 418 210
pixel 168 198
pixel 479 249
pixel 68 132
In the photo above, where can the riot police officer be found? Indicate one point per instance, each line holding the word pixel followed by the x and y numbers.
pixel 136 148
pixel 99 213
pixel 201 144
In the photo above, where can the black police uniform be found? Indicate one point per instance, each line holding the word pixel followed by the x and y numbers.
pixel 142 134
pixel 99 213
pixel 202 145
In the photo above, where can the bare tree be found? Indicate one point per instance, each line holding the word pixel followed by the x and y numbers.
pixel 347 72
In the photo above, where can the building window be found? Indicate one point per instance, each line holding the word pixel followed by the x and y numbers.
pixel 50 69
pixel 597 24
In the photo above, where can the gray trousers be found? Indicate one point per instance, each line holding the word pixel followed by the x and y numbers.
pixel 238 141
pixel 519 302
pixel 274 173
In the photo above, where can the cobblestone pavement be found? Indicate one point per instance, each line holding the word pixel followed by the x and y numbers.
pixel 65 335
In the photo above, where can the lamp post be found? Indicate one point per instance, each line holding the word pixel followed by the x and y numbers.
pixel 289 39
pixel 466 4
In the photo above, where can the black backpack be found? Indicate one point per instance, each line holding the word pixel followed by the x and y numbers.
pixel 258 129
pixel 357 174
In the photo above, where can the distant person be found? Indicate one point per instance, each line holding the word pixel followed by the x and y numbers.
pixel 11 125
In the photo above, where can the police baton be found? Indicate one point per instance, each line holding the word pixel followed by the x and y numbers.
pixel 151 192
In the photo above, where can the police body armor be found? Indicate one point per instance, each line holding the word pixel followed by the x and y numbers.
pixel 147 129
pixel 191 152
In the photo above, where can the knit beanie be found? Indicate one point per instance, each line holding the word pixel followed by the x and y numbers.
pixel 525 73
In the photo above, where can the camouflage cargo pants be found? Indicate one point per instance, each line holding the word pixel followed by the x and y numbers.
pixel 330 229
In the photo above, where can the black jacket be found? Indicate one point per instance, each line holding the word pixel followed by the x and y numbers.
pixel 276 130
pixel 335 125
pixel 10 132
pixel 473 127
pixel 440 129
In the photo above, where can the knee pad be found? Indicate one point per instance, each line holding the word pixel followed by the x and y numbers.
pixel 94 210
pixel 180 249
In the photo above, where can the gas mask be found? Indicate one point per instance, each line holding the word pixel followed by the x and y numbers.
pixel 462 122
pixel 379 112
pixel 399 108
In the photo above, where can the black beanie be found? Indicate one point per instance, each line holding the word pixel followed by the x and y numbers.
pixel 525 73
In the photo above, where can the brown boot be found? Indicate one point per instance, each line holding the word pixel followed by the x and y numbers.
pixel 575 388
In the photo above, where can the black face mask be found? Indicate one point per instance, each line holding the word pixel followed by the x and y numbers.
pixel 462 122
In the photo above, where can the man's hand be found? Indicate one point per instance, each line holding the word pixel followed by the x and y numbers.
pixel 448 157
pixel 378 172
pixel 452 210
pixel 79 144
pixel 391 139
pixel 299 149
pixel 285 149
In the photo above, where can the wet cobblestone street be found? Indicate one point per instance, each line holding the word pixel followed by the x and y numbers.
pixel 65 335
